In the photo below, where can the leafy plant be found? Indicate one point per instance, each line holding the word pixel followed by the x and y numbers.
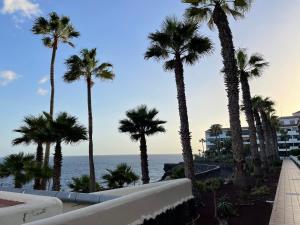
pixel 81 184
pixel 177 172
pixel 261 191
pixel 225 208
pixel 117 178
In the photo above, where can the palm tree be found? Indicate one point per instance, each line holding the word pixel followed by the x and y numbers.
pixel 215 12
pixel 64 129
pixel 265 107
pixel 34 131
pixel 142 122
pixel 82 184
pixel 250 67
pixel 18 166
pixel 216 130
pixel 177 43
pixel 88 67
pixel 260 133
pixel 54 30
pixel 202 141
pixel 275 127
pixel 117 178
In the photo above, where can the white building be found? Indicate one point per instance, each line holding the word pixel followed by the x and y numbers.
pixel 288 123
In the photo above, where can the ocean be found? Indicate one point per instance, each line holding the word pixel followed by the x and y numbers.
pixel 75 166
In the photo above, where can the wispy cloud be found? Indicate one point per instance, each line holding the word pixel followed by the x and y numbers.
pixel 7 76
pixel 42 91
pixel 43 80
pixel 23 7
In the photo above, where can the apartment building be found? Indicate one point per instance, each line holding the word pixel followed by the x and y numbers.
pixel 290 124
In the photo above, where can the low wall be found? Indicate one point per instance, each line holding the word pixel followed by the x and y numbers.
pixel 138 205
pixel 32 208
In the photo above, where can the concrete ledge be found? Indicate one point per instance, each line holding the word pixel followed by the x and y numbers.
pixel 33 208
pixel 138 205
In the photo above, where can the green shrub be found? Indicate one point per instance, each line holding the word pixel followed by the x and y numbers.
pixel 81 184
pixel 225 208
pixel 177 172
pixel 261 191
pixel 210 184
pixel 294 152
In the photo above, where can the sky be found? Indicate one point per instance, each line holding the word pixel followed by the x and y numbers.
pixel 119 30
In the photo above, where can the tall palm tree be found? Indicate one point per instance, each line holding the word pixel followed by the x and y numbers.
pixel 34 131
pixel 18 166
pixel 54 30
pixel 250 67
pixel 215 12
pixel 202 141
pixel 64 129
pixel 265 107
pixel 177 43
pixel 117 178
pixel 275 127
pixel 88 67
pixel 260 133
pixel 216 130
pixel 142 122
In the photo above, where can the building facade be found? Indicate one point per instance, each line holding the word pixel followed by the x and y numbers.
pixel 289 124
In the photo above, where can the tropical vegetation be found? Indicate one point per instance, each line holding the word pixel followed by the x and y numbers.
pixel 178 43
pixel 142 122
pixel 87 66
pixel 82 184
pixel 120 176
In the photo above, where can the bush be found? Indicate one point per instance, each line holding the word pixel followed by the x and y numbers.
pixel 177 172
pixel 81 184
pixel 209 185
pixel 294 152
pixel 261 191
pixel 225 208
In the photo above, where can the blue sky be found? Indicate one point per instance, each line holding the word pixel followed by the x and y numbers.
pixel 119 29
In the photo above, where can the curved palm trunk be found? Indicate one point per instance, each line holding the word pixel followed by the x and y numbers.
pixel 273 140
pixel 232 88
pixel 144 160
pixel 185 134
pixel 57 167
pixel 91 150
pixel 261 138
pixel 52 65
pixel 250 120
pixel 267 135
pixel 39 159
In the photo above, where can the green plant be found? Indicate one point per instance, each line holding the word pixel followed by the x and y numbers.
pixel 294 152
pixel 225 208
pixel 86 66
pixel 261 191
pixel 140 123
pixel 81 184
pixel 19 166
pixel 117 178
pixel 177 172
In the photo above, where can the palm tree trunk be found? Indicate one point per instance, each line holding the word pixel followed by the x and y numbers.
pixel 52 84
pixel 17 179
pixel 185 134
pixel 261 138
pixel 274 134
pixel 39 160
pixel 144 160
pixel 232 88
pixel 91 150
pixel 267 135
pixel 57 167
pixel 250 120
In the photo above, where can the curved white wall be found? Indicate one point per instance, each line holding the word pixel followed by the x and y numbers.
pixel 33 208
pixel 140 203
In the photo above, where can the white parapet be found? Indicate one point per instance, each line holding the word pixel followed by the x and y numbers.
pixel 32 208
pixel 133 206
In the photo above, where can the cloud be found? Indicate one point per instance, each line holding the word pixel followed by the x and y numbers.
pixel 42 91
pixel 43 80
pixel 23 7
pixel 7 76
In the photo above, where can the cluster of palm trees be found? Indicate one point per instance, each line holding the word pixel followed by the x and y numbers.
pixel 177 43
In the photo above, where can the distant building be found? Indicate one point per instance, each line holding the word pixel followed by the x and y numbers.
pixel 288 123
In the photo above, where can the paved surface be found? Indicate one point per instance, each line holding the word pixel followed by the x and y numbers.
pixel 286 208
